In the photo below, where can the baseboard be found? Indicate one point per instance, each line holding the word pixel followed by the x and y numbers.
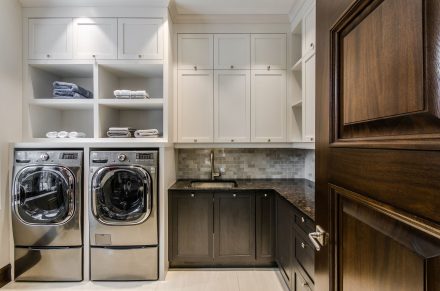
pixel 5 275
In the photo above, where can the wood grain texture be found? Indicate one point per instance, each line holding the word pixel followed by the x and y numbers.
pixel 265 228
pixel 382 62
pixel 191 230
pixel 5 275
pixel 234 228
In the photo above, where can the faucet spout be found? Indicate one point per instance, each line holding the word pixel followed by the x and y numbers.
pixel 213 173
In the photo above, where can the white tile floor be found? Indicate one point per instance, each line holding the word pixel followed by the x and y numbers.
pixel 185 280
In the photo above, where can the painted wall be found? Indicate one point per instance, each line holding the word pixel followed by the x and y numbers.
pixel 10 111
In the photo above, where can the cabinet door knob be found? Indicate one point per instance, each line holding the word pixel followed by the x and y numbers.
pixel 303 245
pixel 265 195
pixel 192 195
pixel 232 140
pixel 302 219
pixel 195 140
pixel 268 140
pixel 268 68
pixel 312 45
pixel 195 68
pixel 234 195
pixel 232 66
pixel 93 56
pixel 140 56
pixel 47 56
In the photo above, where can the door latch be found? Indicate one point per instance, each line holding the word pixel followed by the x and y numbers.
pixel 318 238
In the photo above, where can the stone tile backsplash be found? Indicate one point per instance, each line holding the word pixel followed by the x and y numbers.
pixel 246 163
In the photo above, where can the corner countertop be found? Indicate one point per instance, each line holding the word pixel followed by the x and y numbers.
pixel 299 192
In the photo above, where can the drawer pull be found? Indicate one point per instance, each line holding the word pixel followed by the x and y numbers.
pixel 303 245
pixel 193 195
pixel 265 195
pixel 302 219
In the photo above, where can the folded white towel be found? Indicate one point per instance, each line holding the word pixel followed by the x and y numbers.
pixel 146 133
pixel 52 134
pixel 63 134
pixel 75 134
pixel 124 94
pixel 121 129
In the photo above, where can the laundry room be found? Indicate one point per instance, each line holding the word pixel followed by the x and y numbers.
pixel 204 145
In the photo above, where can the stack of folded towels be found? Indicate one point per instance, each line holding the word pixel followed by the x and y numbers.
pixel 128 94
pixel 141 133
pixel 120 132
pixel 63 90
pixel 65 134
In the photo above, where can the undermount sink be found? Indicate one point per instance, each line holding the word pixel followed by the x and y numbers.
pixel 213 184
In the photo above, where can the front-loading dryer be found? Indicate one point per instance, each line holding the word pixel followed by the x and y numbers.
pixel 123 215
pixel 47 215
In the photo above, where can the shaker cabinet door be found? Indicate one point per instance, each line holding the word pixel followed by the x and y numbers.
pixel 269 51
pixel 232 51
pixel 195 52
pixel 50 38
pixel 195 104
pixel 232 102
pixel 140 38
pixel 95 38
pixel 268 102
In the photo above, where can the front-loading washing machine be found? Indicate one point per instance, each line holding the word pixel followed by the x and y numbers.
pixel 123 215
pixel 47 215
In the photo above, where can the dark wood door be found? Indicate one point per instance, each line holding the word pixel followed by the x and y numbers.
pixel 378 142
pixel 191 241
pixel 234 228
pixel 285 217
pixel 265 228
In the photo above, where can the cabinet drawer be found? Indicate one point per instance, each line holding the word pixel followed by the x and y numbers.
pixel 305 256
pixel 304 223
pixel 301 284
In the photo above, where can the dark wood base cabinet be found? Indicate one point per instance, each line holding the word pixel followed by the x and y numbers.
pixel 221 229
pixel 295 253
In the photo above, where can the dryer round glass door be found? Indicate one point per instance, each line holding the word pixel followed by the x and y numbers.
pixel 44 195
pixel 121 195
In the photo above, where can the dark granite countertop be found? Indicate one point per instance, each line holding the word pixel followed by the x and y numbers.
pixel 299 192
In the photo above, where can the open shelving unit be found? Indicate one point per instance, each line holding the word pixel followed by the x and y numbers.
pixel 44 113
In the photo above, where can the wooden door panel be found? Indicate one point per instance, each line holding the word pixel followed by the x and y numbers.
pixel 379 53
pixel 379 251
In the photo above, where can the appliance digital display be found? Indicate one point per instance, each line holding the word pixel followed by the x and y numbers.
pixel 144 156
pixel 69 156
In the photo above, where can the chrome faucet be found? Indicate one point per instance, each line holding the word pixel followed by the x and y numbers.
pixel 213 173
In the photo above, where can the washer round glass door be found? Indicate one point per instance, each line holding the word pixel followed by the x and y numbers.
pixel 121 195
pixel 44 195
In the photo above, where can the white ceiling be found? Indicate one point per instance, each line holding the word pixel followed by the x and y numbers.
pixel 216 7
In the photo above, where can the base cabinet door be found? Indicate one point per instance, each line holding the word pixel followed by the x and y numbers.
pixel 191 231
pixel 265 228
pixel 234 229
pixel 284 222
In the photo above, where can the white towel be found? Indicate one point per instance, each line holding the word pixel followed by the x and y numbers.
pixel 52 134
pixel 146 133
pixel 63 134
pixel 126 94
pixel 120 132
pixel 75 134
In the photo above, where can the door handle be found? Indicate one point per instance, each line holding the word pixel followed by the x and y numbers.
pixel 318 238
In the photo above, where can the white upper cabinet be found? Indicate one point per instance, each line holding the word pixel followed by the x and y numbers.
pixel 232 102
pixel 140 39
pixel 309 24
pixel 95 38
pixel 309 98
pixel 195 52
pixel 195 106
pixel 232 51
pixel 268 106
pixel 50 38
pixel 268 51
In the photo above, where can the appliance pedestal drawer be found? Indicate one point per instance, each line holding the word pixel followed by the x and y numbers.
pixel 123 263
pixel 61 264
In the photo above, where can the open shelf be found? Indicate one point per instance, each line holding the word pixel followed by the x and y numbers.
pixel 132 103
pixel 112 115
pixel 45 117
pixel 64 104
pixel 42 76
pixel 297 66
pixel 134 77
pixel 297 43
pixel 297 103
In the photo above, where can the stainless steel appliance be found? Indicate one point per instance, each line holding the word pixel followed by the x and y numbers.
pixel 123 215
pixel 47 215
